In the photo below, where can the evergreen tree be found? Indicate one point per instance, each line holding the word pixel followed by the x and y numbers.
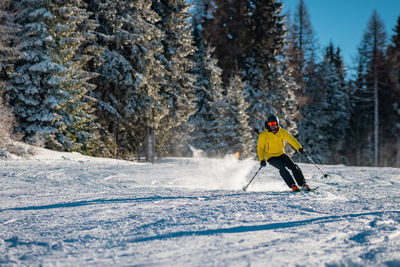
pixel 334 57
pixel 284 98
pixel 326 114
pixel 340 104
pixel 301 57
pixel 225 115
pixel 177 89
pixel 34 99
pixel 237 133
pixel 77 129
pixel 207 118
pixel 269 84
pixel 201 11
pixel 354 137
pixel 393 53
pixel 237 30
pixel 7 53
pixel 8 48
pixel 257 95
pixel 302 45
pixel 373 80
pixel 294 56
pixel 226 29
pixel 49 89
pixel 129 101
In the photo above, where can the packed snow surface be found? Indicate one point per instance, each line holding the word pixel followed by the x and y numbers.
pixel 66 209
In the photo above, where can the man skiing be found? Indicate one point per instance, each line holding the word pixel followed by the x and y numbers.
pixel 270 147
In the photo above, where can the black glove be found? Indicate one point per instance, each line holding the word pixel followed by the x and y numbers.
pixel 263 163
pixel 302 150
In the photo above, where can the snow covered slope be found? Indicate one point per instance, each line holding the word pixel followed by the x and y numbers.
pixel 71 210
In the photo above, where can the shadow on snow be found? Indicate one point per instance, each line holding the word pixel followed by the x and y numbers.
pixel 262 227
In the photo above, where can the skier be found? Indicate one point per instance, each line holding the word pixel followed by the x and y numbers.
pixel 270 147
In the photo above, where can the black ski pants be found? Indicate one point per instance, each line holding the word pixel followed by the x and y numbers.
pixel 283 163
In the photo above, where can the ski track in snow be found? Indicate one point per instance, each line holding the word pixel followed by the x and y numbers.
pixel 72 210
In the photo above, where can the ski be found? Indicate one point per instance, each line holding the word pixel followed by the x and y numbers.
pixel 309 191
pixel 313 189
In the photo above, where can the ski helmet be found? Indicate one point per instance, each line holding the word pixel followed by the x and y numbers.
pixel 271 118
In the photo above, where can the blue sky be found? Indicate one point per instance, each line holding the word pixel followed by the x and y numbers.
pixel 344 21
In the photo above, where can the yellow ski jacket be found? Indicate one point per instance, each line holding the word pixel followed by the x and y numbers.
pixel 273 144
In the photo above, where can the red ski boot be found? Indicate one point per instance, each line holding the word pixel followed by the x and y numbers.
pixel 295 188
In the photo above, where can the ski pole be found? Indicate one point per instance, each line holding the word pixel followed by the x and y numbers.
pixel 245 187
pixel 325 175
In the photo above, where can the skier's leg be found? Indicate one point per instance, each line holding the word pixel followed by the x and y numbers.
pixel 278 163
pixel 297 173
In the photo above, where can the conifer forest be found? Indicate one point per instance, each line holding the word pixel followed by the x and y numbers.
pixel 146 79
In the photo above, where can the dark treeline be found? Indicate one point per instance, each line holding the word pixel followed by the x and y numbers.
pixel 150 78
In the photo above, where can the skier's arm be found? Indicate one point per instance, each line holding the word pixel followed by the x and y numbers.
pixel 292 141
pixel 261 147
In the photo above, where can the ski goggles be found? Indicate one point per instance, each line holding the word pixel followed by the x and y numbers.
pixel 274 123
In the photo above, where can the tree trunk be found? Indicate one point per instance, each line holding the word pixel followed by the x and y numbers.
pixel 150 148
pixel 398 149
pixel 376 102
pixel 358 150
pixel 376 120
